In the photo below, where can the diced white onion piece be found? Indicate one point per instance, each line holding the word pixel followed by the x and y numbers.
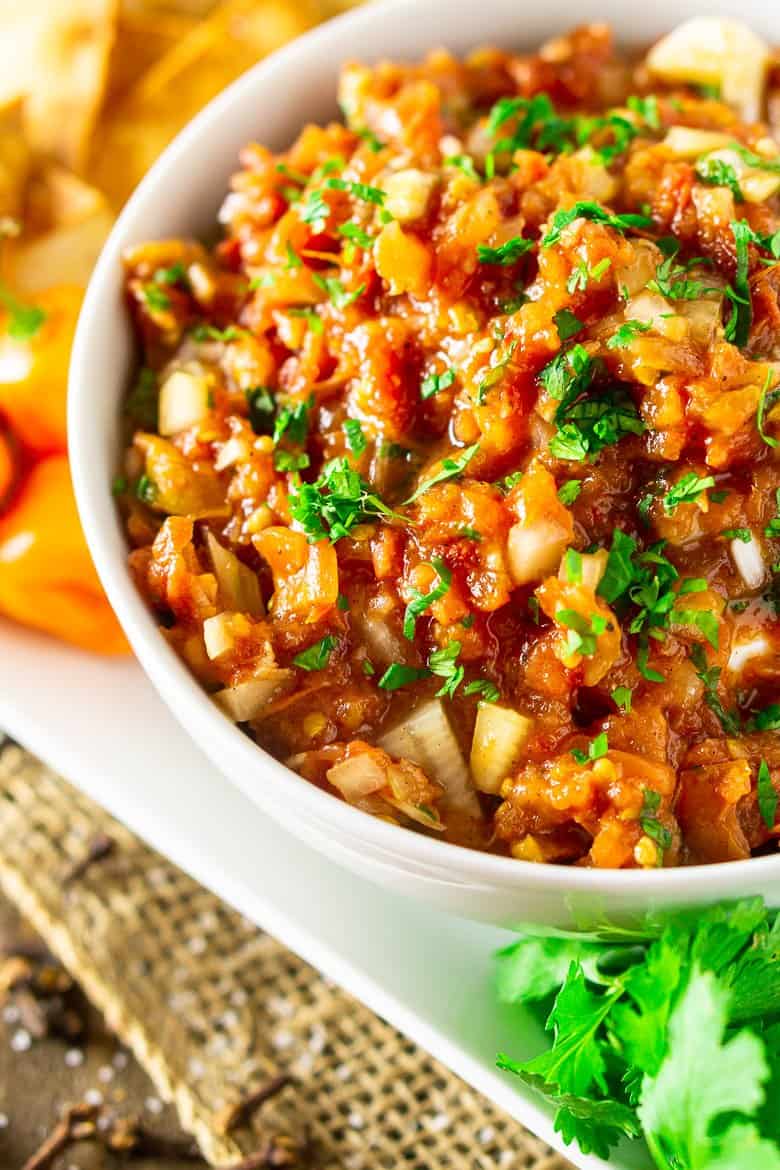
pixel 500 735
pixel 184 401
pixel 648 307
pixel 357 776
pixel 703 317
pixel 742 653
pixel 235 450
pixel 534 550
pixel 635 273
pixel 749 562
pixel 238 586
pixel 687 142
pixel 427 739
pixel 408 194
pixel 247 700
pixel 710 51
pixel 218 634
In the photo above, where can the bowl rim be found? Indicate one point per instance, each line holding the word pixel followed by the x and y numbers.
pixel 179 689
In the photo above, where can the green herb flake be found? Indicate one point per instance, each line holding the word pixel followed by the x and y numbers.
pixel 155 298
pixel 142 401
pixel 597 748
pixel 146 490
pixel 767 795
pixel 398 675
pixel 622 697
pixel 336 502
pixel 627 333
pixel 504 254
pixel 738 325
pixel 718 173
pixel 433 383
pixel 586 209
pixel 567 324
pixel 487 690
pixel 450 469
pixel 444 664
pixel 422 601
pixel 688 489
pixel 569 491
pixel 742 534
pixel 356 440
pixel 317 656
pixel 766 402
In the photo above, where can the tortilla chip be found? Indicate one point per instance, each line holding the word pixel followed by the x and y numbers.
pixel 56 57
pixel 14 161
pixel 65 226
pixel 137 128
pixel 141 39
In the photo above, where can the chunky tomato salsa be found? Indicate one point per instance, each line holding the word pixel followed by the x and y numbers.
pixel 455 472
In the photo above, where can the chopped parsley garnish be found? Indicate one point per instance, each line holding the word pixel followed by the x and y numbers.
pixel 355 234
pixel 573 564
pixel 422 601
pixel 581 275
pixel 155 298
pixel 398 675
pixel 738 325
pixel 710 677
pixel 119 485
pixel 626 333
pixel 317 656
pixel 582 633
pixel 373 143
pixel 649 822
pixel 465 163
pixel 671 278
pixel 262 409
pixel 146 490
pixel 369 670
pixel 688 490
pixel 622 697
pixel 567 324
pixel 767 795
pixel 568 375
pixel 312 319
pixel 487 690
pixel 292 422
pixel 646 108
pixel 772 165
pixel 315 211
pixel 587 426
pixel 356 440
pixel 204 332
pixel 468 533
pixel 291 460
pixel 335 503
pixel 767 401
pixel 597 748
pixel 174 274
pixel 436 382
pixel 450 469
pixel 337 294
pixel 342 603
pixel 293 259
pixel 569 491
pixel 641 584
pixel 444 663
pixel 361 191
pixel 743 534
pixel 505 254
pixel 585 209
pixel 767 719
pixel 718 173
pixel 24 321
pixel 772 529
pixel 142 402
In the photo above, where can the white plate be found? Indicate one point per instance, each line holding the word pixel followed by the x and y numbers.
pixel 101 724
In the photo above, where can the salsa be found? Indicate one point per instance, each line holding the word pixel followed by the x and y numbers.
pixel 453 472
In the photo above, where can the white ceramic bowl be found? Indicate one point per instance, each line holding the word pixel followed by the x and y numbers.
pixel 180 196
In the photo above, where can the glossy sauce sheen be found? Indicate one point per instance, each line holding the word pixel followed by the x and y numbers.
pixel 434 430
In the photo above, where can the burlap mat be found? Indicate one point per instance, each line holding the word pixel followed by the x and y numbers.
pixel 212 1007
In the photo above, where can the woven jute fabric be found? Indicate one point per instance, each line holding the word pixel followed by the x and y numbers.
pixel 212 1006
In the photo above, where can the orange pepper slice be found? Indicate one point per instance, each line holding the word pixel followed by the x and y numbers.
pixel 34 372
pixel 47 579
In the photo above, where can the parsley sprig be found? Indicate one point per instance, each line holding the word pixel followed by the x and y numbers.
pixel 24 321
pixel 671 1037
pixel 336 502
